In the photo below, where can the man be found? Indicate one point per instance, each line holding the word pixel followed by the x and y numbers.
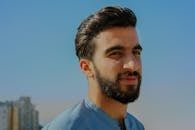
pixel 109 54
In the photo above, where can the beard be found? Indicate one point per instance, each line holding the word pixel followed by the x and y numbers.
pixel 113 90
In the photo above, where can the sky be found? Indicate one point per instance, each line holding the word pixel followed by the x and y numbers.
pixel 37 57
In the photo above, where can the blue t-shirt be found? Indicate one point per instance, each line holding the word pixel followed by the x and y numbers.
pixel 87 116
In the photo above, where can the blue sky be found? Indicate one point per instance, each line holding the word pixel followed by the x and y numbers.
pixel 37 57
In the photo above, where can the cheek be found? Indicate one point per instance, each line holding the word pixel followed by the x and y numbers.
pixel 140 66
pixel 108 68
pixel 112 68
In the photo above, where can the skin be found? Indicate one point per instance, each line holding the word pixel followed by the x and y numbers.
pixel 116 52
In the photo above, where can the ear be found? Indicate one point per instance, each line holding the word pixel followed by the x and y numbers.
pixel 86 67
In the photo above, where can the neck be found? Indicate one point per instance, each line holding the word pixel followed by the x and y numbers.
pixel 113 108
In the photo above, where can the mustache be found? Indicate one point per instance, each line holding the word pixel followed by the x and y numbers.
pixel 128 73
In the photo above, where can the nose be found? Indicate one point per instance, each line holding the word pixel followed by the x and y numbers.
pixel 131 64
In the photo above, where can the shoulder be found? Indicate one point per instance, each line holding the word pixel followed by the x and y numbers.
pixel 134 122
pixel 71 119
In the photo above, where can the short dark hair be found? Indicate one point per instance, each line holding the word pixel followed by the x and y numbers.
pixel 103 19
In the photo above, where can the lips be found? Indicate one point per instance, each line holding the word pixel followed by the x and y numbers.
pixel 131 80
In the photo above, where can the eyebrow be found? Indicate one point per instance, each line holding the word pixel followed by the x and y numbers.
pixel 138 46
pixel 117 47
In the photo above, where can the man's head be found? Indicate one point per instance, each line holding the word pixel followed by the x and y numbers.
pixel 109 52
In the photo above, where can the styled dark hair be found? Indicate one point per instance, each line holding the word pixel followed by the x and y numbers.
pixel 103 19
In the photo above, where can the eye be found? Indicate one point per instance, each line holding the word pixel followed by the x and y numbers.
pixel 137 52
pixel 115 54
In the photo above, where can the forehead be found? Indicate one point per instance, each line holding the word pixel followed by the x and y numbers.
pixel 123 36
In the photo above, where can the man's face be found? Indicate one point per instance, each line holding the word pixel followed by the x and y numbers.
pixel 117 63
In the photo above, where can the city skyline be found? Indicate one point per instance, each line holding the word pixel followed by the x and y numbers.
pixel 37 57
pixel 20 114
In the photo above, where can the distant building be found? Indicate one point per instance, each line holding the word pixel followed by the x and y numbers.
pixel 15 118
pixel 35 120
pixel 19 115
pixel 5 114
